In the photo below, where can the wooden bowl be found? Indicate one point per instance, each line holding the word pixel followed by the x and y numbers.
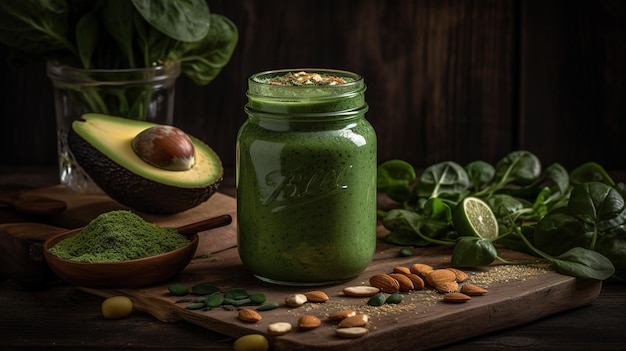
pixel 126 274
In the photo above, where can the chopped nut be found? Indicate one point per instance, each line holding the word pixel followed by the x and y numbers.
pixel 296 300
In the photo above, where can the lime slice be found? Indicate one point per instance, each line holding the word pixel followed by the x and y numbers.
pixel 473 217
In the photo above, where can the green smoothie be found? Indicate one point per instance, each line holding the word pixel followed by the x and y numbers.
pixel 306 182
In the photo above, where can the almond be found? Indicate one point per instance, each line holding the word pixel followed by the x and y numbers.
pixel 437 276
pixel 353 332
pixel 447 287
pixel 248 315
pixel 460 275
pixel 405 283
pixel 443 280
pixel 361 291
pixel 339 315
pixel 456 297
pixel 360 320
pixel 403 270
pixel 385 283
pixel 278 328
pixel 296 300
pixel 309 322
pixel 418 282
pixel 473 290
pixel 421 269
pixel 316 296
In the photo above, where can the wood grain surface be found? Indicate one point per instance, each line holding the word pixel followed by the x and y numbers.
pixel 447 80
pixel 421 321
pixel 431 321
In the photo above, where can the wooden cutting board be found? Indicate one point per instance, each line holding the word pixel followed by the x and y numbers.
pixel 422 320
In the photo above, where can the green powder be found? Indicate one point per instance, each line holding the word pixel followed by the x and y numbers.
pixel 118 236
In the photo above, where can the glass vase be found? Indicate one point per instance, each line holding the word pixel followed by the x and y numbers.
pixel 142 93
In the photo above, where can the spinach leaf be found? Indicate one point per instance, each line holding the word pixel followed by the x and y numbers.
pixel 575 222
pixel 202 60
pixel 597 204
pixel 480 173
pixel 559 231
pixel 518 167
pixel 583 263
pixel 35 27
pixel 87 33
pixel 559 176
pixel 184 20
pixel 445 179
pixel 117 19
pixel 473 252
pixel 394 178
pixel 612 244
pixel 590 172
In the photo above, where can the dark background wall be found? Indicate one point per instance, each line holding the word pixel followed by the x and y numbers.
pixel 447 80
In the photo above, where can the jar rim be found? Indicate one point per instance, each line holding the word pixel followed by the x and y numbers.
pixel 63 72
pixel 356 79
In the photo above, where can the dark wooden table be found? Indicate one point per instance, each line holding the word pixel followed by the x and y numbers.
pixel 62 317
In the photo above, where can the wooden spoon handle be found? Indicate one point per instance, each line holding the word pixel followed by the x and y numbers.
pixel 205 224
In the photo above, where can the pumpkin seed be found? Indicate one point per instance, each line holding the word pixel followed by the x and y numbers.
pixel 204 289
pixel 214 300
pixel 195 306
pixel 258 298
pixel 236 294
pixel 268 306
pixel 234 302
pixel 394 298
pixel 377 300
pixel 178 289
pixel 405 252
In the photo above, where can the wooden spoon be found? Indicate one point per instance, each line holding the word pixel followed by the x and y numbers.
pixel 205 224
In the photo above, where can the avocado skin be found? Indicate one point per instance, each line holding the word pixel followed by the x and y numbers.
pixel 132 190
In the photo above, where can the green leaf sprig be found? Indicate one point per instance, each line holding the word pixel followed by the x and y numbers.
pixel 574 221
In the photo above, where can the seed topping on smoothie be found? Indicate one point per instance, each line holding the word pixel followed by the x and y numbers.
pixel 304 78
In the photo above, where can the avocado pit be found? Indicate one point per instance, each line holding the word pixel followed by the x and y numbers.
pixel 165 147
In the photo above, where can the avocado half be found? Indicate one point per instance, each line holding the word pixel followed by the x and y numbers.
pixel 101 145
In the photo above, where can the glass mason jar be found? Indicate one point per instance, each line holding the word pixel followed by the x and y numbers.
pixel 141 93
pixel 306 179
